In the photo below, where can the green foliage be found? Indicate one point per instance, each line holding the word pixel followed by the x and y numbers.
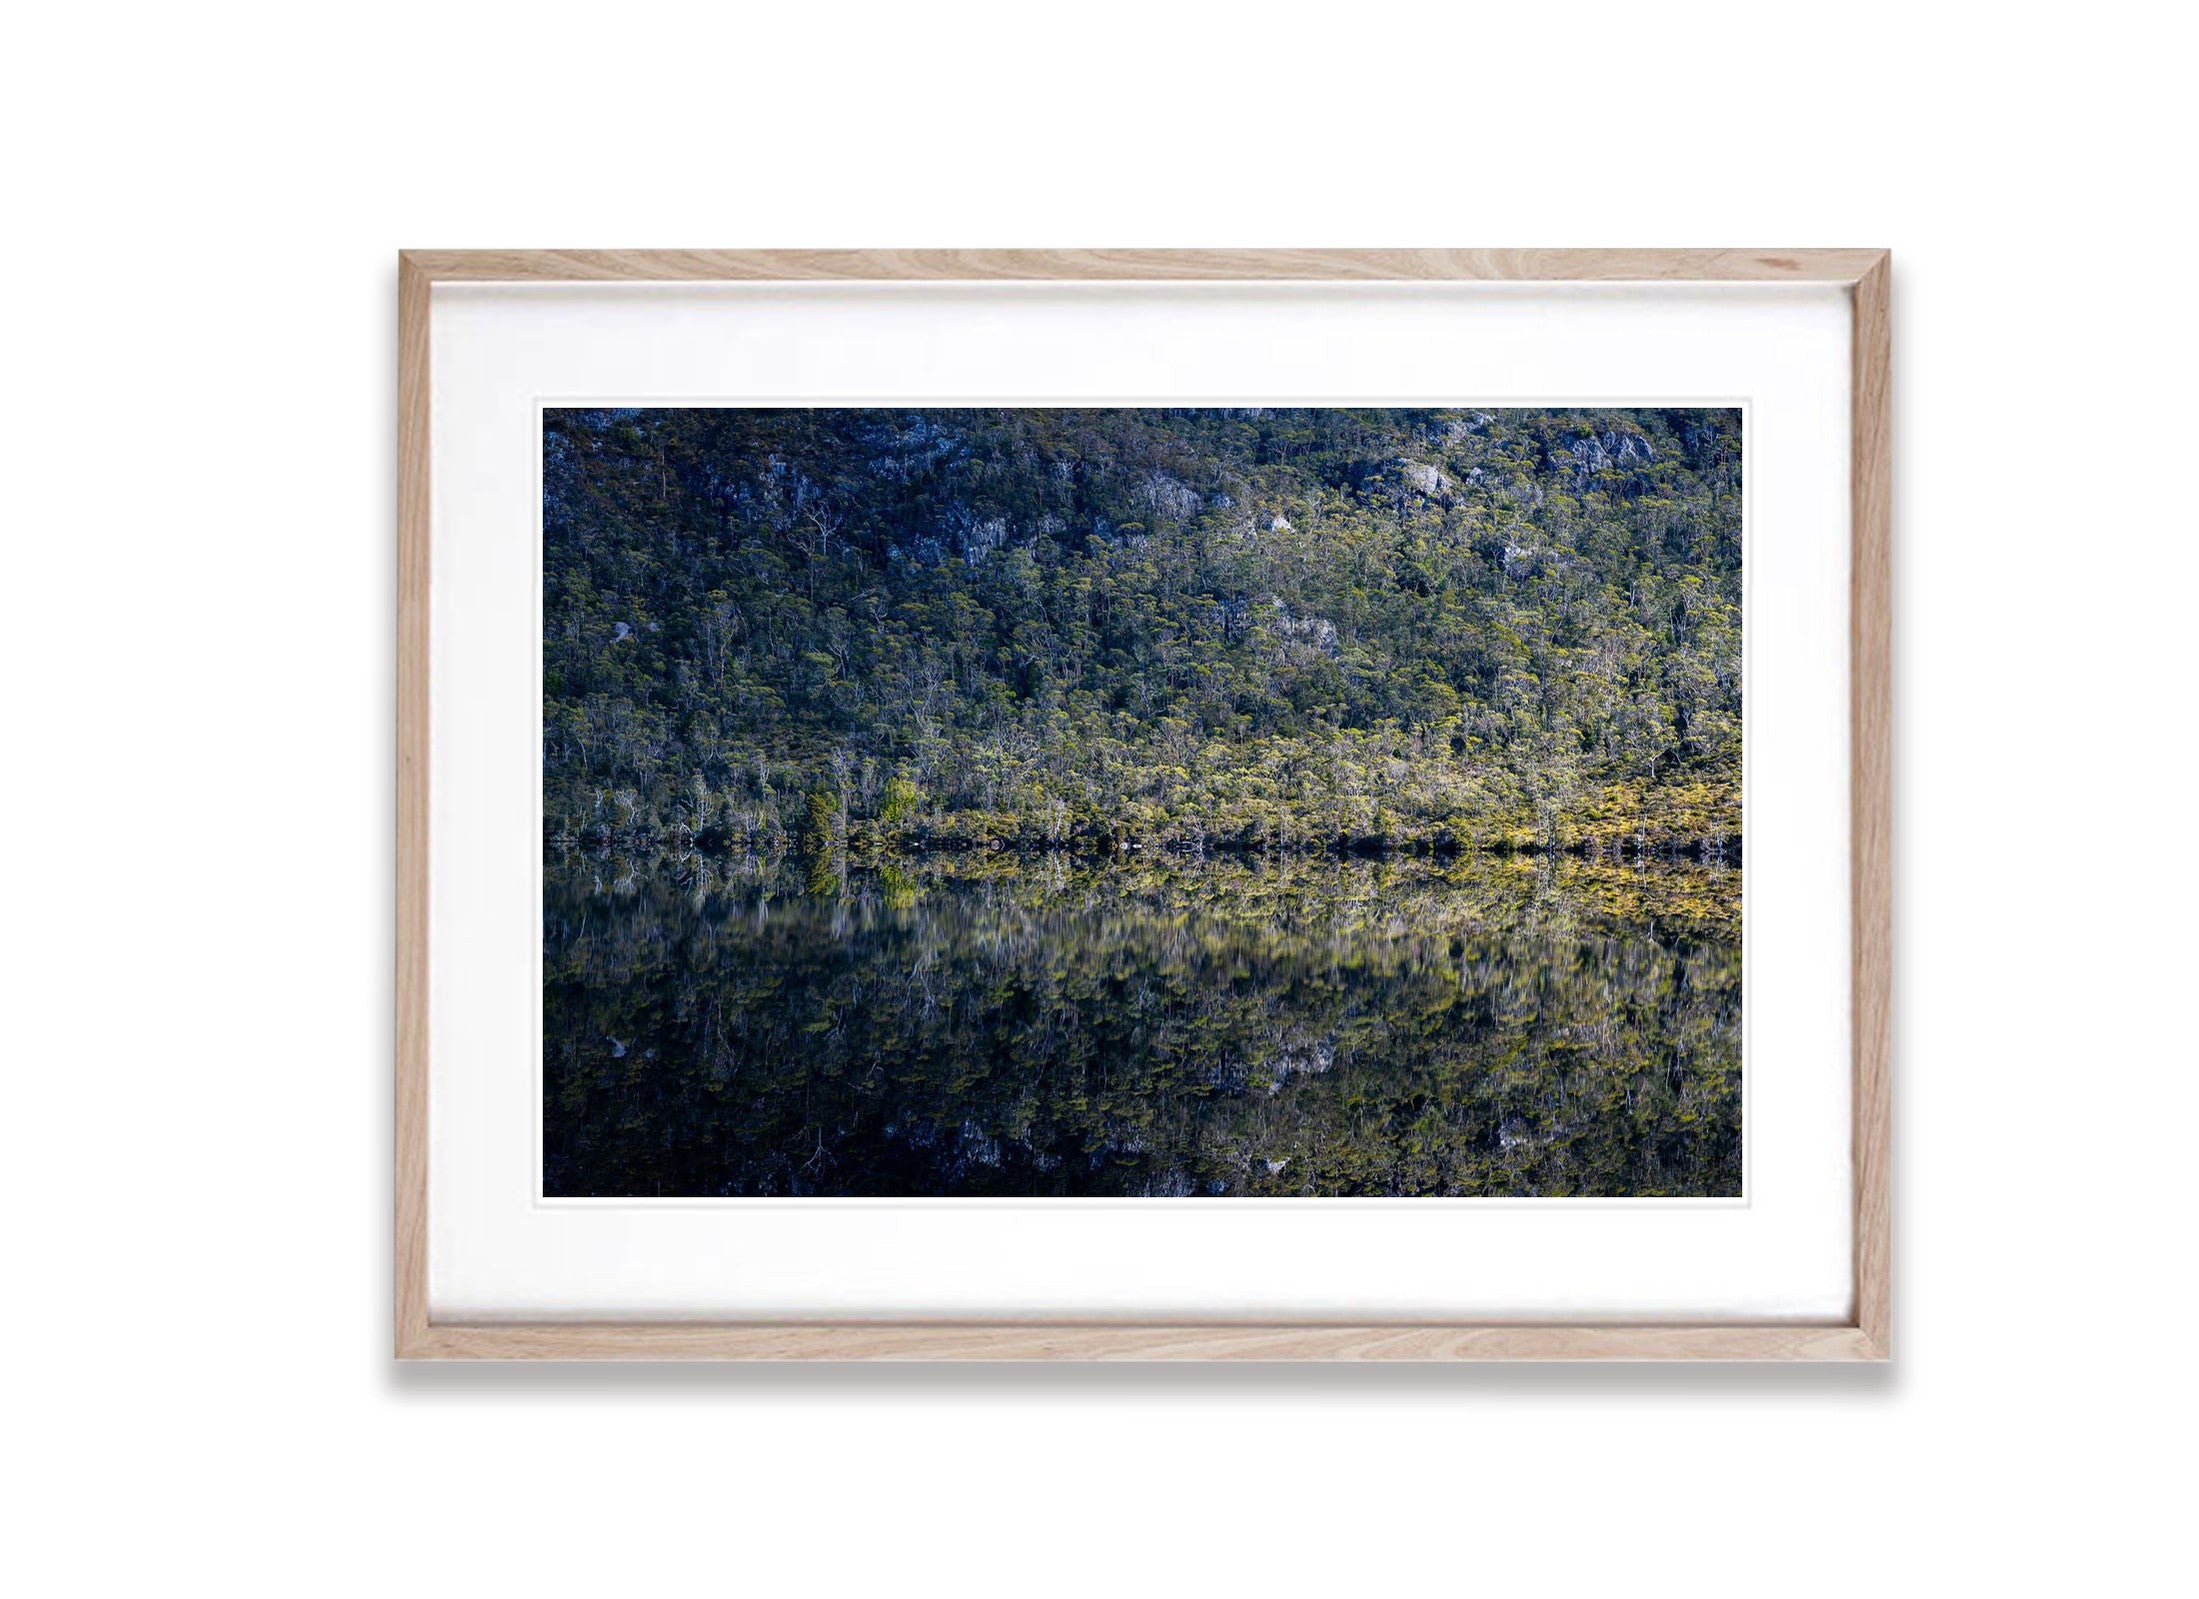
pixel 899 802
pixel 819 834
pixel 1118 630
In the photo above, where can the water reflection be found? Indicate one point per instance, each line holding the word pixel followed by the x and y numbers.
pixel 1003 1027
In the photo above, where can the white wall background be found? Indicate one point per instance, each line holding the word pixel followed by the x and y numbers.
pixel 196 618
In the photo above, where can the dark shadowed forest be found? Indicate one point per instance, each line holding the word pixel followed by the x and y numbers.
pixel 1251 630
pixel 1142 803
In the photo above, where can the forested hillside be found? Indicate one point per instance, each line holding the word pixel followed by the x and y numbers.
pixel 1281 630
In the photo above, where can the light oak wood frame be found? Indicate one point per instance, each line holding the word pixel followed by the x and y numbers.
pixel 1864 1336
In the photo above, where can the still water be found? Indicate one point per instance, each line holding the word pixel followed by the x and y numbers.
pixel 988 1026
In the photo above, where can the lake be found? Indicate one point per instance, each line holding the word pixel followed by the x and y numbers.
pixel 1063 1027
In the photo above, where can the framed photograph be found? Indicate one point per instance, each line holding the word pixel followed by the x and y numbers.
pixel 1143 804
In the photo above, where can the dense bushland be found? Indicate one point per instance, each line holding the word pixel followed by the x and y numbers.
pixel 857 631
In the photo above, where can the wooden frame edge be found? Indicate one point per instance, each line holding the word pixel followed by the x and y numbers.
pixel 1870 757
pixel 1867 1337
pixel 413 515
pixel 1167 266
pixel 1142 1341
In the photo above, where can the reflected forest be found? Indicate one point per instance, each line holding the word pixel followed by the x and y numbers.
pixel 1256 803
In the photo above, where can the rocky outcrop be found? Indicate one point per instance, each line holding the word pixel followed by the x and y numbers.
pixel 1458 429
pixel 1432 481
pixel 1167 499
pixel 1604 452
pixel 1308 633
